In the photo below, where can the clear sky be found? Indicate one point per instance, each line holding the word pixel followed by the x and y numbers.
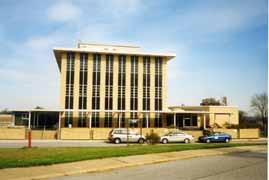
pixel 221 46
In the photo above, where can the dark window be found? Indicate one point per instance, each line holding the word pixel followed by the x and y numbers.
pixel 68 119
pixel 82 120
pixel 95 120
pixel 158 121
pixel 146 104
pixel 108 120
pixel 82 102
pixel 68 102
pixel 108 103
pixel 121 103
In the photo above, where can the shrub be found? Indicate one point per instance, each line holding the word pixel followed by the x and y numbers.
pixel 153 138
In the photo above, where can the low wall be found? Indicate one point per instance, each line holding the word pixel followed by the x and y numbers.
pixel 233 132
pixel 44 134
pixel 249 133
pixel 102 133
pixel 12 133
pixel 75 133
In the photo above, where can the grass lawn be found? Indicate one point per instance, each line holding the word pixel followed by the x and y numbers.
pixel 45 156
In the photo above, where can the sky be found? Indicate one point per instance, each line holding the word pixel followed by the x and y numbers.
pixel 221 46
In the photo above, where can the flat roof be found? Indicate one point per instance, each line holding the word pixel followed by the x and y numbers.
pixel 57 51
pixel 200 106
pixel 112 111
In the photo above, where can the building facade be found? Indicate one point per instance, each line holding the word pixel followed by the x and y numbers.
pixel 112 86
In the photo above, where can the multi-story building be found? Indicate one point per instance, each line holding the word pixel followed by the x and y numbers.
pixel 108 85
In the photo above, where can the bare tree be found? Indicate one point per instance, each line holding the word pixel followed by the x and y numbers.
pixel 259 104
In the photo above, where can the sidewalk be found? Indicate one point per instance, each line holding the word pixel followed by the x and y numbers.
pixel 42 172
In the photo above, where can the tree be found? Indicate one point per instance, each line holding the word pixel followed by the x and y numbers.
pixel 259 104
pixel 210 102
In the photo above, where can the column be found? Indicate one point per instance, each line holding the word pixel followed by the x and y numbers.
pixel 140 84
pixel 59 126
pixel 175 120
pixel 147 118
pixel 29 120
pixel 63 80
pixel 204 118
pixel 90 120
pixel 76 90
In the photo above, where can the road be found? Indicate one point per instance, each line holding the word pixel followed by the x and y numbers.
pixel 56 143
pixel 237 166
pixel 87 143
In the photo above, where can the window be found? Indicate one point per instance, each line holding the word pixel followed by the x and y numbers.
pixel 134 82
pixel 82 119
pixel 158 121
pixel 121 82
pixel 95 120
pixel 69 89
pixel 83 81
pixel 146 83
pixel 133 123
pixel 108 120
pixel 96 81
pixel 158 83
pixel 68 119
pixel 109 82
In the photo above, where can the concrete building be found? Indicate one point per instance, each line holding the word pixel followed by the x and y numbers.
pixel 108 86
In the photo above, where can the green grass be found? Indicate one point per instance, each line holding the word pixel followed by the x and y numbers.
pixel 24 157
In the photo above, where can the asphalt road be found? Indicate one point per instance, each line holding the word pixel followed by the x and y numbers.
pixel 237 166
pixel 87 143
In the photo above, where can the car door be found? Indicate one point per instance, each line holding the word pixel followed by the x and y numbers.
pixel 222 137
pixel 215 137
pixel 180 137
pixel 172 137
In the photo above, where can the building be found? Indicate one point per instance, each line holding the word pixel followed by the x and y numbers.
pixel 108 86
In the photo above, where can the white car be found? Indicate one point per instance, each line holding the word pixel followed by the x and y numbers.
pixel 176 137
pixel 119 135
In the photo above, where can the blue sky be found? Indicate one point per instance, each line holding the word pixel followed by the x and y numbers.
pixel 221 46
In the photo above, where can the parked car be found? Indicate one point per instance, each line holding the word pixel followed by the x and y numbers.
pixel 215 137
pixel 176 137
pixel 119 135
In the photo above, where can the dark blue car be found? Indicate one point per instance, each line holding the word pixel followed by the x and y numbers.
pixel 215 137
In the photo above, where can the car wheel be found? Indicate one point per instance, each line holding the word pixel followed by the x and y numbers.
pixel 165 141
pixel 227 140
pixel 117 141
pixel 141 141
pixel 186 141
pixel 207 141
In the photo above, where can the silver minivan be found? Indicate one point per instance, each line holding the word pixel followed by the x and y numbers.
pixel 119 135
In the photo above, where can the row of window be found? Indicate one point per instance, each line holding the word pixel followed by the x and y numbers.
pixel 95 121
pixel 109 81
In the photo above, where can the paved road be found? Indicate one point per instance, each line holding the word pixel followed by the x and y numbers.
pixel 237 166
pixel 56 143
pixel 86 143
